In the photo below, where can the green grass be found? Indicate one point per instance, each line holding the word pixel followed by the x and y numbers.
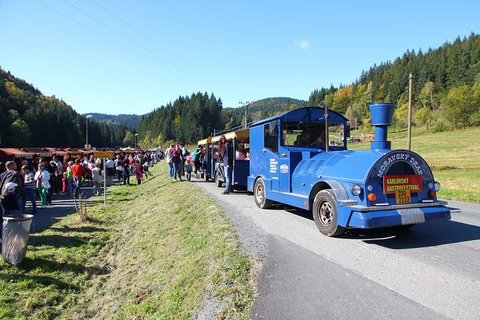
pixel 454 157
pixel 161 250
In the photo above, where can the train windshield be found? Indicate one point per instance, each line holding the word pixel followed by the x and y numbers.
pixel 311 134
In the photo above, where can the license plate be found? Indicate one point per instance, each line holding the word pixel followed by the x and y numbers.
pixel 403 196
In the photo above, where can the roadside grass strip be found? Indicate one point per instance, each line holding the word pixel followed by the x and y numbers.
pixel 160 250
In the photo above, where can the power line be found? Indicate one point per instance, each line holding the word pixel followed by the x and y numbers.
pixel 190 77
pixel 157 44
pixel 154 54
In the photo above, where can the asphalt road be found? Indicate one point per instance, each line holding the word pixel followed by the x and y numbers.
pixel 62 205
pixel 431 271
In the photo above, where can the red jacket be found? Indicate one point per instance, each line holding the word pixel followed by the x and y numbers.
pixel 177 155
pixel 77 171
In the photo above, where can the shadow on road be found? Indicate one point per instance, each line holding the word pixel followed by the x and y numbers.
pixel 433 233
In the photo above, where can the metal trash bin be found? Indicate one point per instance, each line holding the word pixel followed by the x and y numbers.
pixel 16 231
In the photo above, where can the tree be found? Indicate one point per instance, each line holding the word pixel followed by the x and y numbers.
pixel 459 105
pixel 426 95
pixel 354 115
pixel 129 139
pixel 20 134
pixel 424 116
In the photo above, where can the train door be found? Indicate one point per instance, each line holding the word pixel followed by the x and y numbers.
pixel 270 153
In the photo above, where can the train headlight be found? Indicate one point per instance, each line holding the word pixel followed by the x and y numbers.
pixel 430 185
pixel 356 190
pixel 437 186
pixel 370 188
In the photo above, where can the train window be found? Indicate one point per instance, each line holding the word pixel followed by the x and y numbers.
pixel 271 136
pixel 304 134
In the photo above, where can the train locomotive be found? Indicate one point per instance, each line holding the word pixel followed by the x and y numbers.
pixel 300 158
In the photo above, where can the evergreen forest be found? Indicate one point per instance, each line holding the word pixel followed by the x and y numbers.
pixel 30 119
pixel 445 90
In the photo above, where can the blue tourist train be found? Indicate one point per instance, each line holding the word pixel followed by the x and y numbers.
pixel 300 158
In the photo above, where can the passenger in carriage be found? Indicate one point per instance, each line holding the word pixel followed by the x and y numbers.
pixel 240 153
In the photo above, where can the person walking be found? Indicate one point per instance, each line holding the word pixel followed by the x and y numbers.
pixel 168 159
pixel 29 184
pixel 197 158
pixel 97 179
pixel 42 177
pixel 138 171
pixel 109 165
pixel 177 161
pixel 77 173
pixel 126 171
pixel 119 167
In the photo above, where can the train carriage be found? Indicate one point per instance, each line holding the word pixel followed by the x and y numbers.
pixel 240 140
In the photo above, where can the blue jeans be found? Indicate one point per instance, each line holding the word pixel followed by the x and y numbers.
pixel 228 178
pixel 178 170
pixel 171 170
pixel 30 195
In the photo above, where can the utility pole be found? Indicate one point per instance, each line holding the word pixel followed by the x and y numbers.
pixel 245 104
pixel 410 78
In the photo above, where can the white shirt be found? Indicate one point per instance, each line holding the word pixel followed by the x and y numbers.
pixel 45 177
pixel 109 163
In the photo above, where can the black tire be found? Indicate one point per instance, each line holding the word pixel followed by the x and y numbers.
pixel 218 182
pixel 325 214
pixel 260 195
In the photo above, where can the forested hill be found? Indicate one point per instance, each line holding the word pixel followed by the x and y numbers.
pixel 446 87
pixel 130 120
pixel 29 118
pixel 188 119
pixel 195 117
pixel 260 109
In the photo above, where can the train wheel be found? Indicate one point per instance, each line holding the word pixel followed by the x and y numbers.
pixel 260 195
pixel 325 214
pixel 218 182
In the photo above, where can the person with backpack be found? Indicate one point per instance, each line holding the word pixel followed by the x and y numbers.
pixel 10 200
pixel 12 175
pixel 197 160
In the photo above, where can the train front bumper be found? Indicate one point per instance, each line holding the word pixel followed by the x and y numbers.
pixel 378 218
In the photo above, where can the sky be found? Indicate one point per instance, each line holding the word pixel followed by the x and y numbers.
pixel 130 57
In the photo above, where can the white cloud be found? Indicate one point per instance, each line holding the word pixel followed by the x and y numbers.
pixel 302 44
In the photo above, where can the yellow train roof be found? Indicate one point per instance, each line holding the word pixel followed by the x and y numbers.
pixel 240 134
pixel 205 141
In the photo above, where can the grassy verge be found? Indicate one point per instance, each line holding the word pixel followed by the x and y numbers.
pixel 161 250
pixel 454 157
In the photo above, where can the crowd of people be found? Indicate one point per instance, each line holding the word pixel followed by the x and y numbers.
pixel 183 163
pixel 46 178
